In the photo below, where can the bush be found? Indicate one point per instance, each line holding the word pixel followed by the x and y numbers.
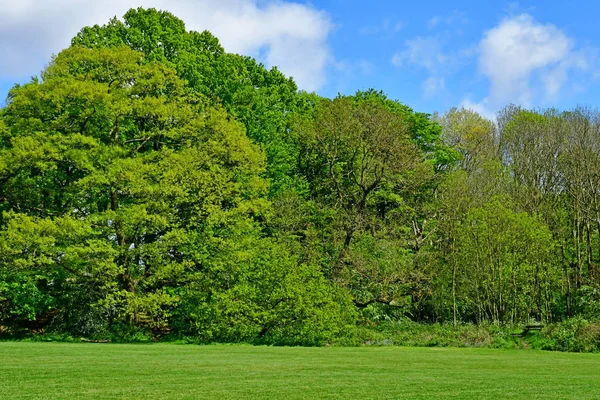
pixel 588 302
pixel 575 334
pixel 408 333
pixel 266 297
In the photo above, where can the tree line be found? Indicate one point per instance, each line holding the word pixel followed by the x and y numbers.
pixel 151 181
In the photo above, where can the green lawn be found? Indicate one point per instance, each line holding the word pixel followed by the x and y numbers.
pixel 168 371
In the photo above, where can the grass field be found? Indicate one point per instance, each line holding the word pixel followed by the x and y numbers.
pixel 168 371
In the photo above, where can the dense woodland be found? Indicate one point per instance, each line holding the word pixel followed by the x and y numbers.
pixel 149 180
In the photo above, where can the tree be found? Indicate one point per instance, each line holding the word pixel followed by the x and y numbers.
pixel 531 146
pixel 263 100
pixel 128 197
pixel 473 136
pixel 580 165
pixel 507 272
pixel 360 160
pixel 351 151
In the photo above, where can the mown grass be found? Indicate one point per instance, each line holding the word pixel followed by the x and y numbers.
pixel 169 371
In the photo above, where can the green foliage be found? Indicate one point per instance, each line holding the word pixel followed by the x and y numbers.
pixel 588 305
pixel 471 135
pixel 21 298
pixel 505 264
pixel 574 334
pixel 254 292
pixel 426 133
pixel 263 100
pixel 153 185
pixel 408 333
pixel 133 201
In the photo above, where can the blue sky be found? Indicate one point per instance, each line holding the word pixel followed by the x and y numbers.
pixel 454 31
pixel 430 55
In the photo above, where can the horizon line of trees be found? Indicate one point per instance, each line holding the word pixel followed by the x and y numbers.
pixel 150 180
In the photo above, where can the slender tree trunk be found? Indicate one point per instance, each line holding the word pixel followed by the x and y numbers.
pixel 122 242
pixel 454 291
pixel 588 232
pixel 577 240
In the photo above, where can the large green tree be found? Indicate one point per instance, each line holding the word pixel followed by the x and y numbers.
pixel 507 272
pixel 129 198
pixel 362 161
pixel 263 100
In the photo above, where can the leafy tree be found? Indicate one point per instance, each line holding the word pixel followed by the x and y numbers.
pixel 473 136
pixel 507 272
pixel 263 100
pixel 351 151
pixel 131 195
pixel 362 164
pixel 426 133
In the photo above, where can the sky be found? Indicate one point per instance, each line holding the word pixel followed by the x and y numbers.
pixel 431 55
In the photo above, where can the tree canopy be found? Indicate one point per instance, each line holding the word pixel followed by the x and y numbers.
pixel 153 184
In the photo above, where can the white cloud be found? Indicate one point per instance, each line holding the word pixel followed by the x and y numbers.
pixel 482 108
pixel 428 53
pixel 291 36
pixel 388 26
pixel 456 17
pixel 433 86
pixel 519 54
pixel 425 52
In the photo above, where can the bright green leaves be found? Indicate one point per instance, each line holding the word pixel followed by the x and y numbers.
pixel 58 246
pixel 133 200
pixel 111 95
pixel 263 100
pixel 40 256
pixel 505 264
pixel 120 161
pixel 252 290
pixel 425 133
pixel 158 34
pixel 354 148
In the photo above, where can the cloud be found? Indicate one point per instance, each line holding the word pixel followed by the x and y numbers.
pixel 421 51
pixel 288 35
pixel 387 26
pixel 482 108
pixel 433 86
pixel 428 53
pixel 525 60
pixel 456 17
